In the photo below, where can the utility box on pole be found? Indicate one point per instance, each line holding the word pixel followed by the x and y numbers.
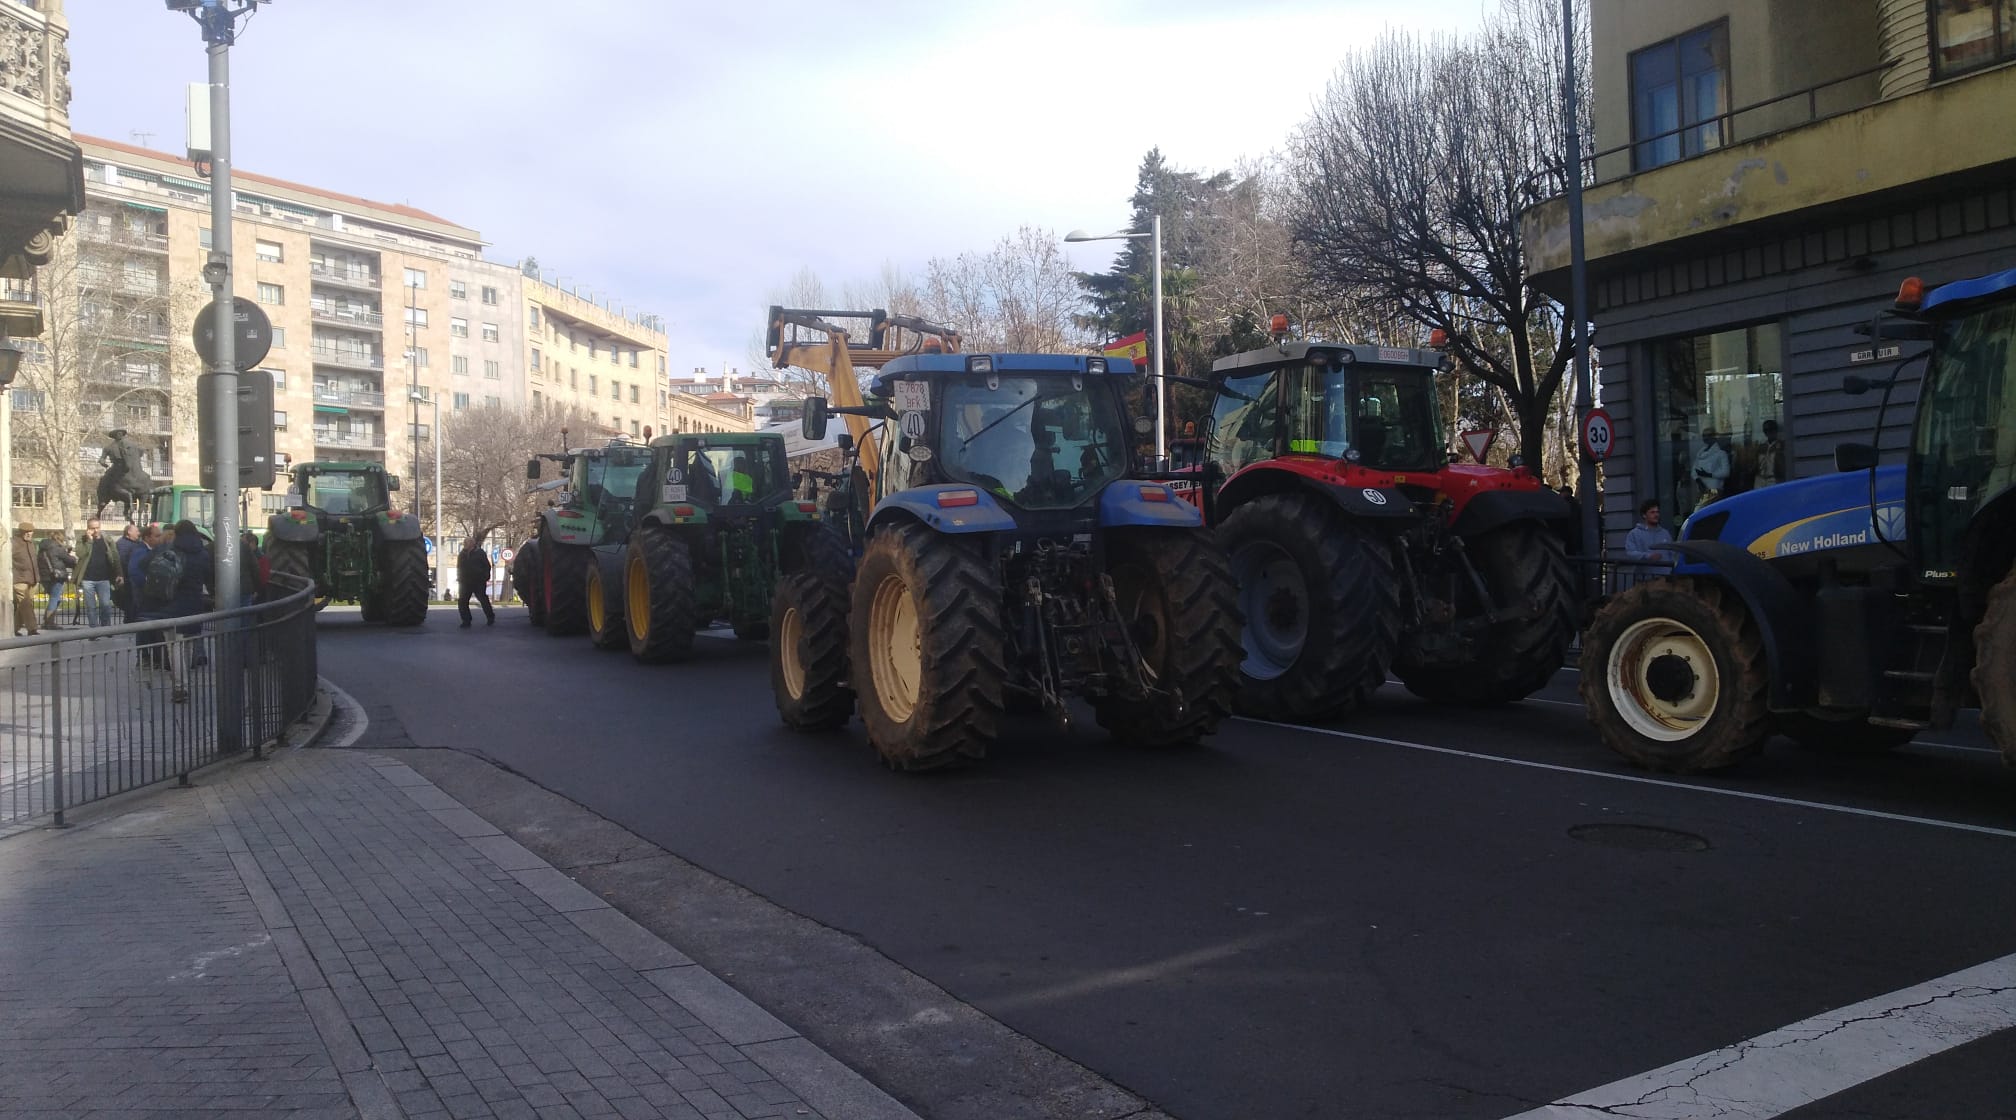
pixel 256 461
pixel 198 115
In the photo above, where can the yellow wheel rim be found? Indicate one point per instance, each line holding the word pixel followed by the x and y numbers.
pixel 637 592
pixel 786 643
pixel 597 615
pixel 895 649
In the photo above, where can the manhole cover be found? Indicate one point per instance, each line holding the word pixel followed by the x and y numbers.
pixel 1639 837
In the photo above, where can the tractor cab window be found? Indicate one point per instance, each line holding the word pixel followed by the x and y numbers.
pixel 199 506
pixel 1965 448
pixel 1395 424
pixel 740 474
pixel 622 469
pixel 345 492
pixel 1246 420
pixel 1039 442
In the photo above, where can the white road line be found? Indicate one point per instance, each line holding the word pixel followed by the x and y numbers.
pixel 1643 781
pixel 1814 1058
pixel 345 700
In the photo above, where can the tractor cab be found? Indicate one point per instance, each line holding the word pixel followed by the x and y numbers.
pixel 606 478
pixel 725 470
pixel 343 490
pixel 1961 477
pixel 185 503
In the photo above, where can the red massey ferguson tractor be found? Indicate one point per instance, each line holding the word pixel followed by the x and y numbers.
pixel 1361 550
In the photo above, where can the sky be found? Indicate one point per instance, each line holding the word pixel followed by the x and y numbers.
pixel 688 159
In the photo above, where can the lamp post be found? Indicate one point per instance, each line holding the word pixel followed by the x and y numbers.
pixel 1578 282
pixel 1154 234
pixel 440 541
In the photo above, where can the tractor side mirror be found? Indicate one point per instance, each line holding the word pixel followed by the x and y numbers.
pixel 845 441
pixel 1854 456
pixel 532 470
pixel 813 424
pixel 392 484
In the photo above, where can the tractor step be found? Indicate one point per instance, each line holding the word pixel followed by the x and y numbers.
pixel 1916 676
pixel 1901 723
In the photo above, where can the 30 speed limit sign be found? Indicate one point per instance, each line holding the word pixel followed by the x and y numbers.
pixel 1597 434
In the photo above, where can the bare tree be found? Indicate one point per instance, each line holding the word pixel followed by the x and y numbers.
pixel 1409 180
pixel 114 353
pixel 1020 295
pixel 483 455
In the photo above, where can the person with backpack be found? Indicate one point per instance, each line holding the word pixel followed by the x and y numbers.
pixel 147 607
pixel 53 563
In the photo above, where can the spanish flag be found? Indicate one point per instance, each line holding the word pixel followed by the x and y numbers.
pixel 1134 346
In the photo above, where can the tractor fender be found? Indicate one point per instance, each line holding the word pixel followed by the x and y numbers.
pixel 405 527
pixel 1127 503
pixel 1288 476
pixel 609 562
pixel 579 529
pixel 921 505
pixel 1784 615
pixel 1494 508
pixel 285 527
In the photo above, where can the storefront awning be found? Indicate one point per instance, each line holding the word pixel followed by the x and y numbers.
pixel 144 206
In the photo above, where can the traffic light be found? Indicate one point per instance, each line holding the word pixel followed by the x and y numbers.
pixel 255 429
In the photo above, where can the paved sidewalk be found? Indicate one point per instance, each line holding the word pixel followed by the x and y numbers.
pixel 330 935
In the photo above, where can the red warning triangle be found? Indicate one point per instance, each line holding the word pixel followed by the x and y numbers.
pixel 1479 442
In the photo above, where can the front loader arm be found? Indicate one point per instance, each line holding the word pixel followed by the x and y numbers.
pixel 843 386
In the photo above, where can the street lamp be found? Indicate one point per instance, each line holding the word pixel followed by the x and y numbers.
pixel 440 542
pixel 1154 234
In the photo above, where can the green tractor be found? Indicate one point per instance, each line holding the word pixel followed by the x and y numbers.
pixel 553 571
pixel 718 528
pixel 193 504
pixel 341 532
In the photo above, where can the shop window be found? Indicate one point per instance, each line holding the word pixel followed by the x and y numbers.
pixel 1719 403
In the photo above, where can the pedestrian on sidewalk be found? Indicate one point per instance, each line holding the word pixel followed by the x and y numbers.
pixel 1647 539
pixel 54 562
pixel 148 603
pixel 25 553
pixel 123 588
pixel 472 571
pixel 101 574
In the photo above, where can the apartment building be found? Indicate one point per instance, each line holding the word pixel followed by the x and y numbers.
pixel 1766 174
pixel 609 363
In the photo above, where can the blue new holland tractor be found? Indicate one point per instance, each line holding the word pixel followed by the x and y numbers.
pixel 1012 552
pixel 1848 611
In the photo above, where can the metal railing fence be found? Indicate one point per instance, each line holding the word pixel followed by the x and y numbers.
pixel 88 714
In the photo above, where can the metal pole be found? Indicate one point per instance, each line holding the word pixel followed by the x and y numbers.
pixel 413 390
pixel 440 542
pixel 1578 285
pixel 1161 386
pixel 224 387
pixel 61 792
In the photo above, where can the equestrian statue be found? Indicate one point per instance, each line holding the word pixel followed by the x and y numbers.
pixel 125 480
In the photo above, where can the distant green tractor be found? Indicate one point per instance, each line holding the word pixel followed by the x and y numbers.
pixel 193 504
pixel 341 532
pixel 718 529
pixel 554 569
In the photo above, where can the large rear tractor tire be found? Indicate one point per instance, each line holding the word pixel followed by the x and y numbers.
pixel 1524 567
pixel 1995 666
pixel 1849 736
pixel 658 608
pixel 530 584
pixel 1320 605
pixel 563 575
pixel 605 610
pixel 1181 606
pixel 927 647
pixel 808 652
pixel 403 588
pixel 294 558
pixel 1674 676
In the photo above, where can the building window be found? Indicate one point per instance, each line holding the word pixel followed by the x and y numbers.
pixel 1970 34
pixel 490 296
pixel 535 319
pixel 458 327
pixel 279 421
pixel 492 370
pixel 633 394
pixel 458 290
pixel 490 332
pixel 420 357
pixel 458 364
pixel 1719 399
pixel 615 390
pixel 31 497
pixel 203 236
pixel 419 431
pixel 461 401
pixel 416 278
pixel 593 385
pixel 268 251
pixel 573 379
pixel 493 402
pixel 279 379
pixel 272 295
pixel 535 357
pixel 1679 93
pixel 280 338
pixel 416 317
pixel 633 429
pixel 535 398
pixel 633 359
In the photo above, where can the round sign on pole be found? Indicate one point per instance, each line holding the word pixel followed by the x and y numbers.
pixel 1597 434
pixel 253 337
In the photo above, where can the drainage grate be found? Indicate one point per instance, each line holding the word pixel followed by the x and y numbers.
pixel 1639 837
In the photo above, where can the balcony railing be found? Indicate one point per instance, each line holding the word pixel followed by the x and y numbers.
pixel 124 236
pixel 347 317
pixel 354 359
pixel 151 380
pixel 129 330
pixel 1754 121
pixel 330 437
pixel 356 398
pixel 335 274
pixel 123 285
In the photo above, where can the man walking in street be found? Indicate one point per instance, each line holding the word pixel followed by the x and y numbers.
pixel 101 574
pixel 54 564
pixel 472 571
pixel 25 555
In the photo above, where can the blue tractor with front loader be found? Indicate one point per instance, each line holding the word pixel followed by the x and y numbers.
pixel 1011 552
pixel 1848 611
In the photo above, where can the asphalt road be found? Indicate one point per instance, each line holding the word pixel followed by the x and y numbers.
pixel 1421 912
